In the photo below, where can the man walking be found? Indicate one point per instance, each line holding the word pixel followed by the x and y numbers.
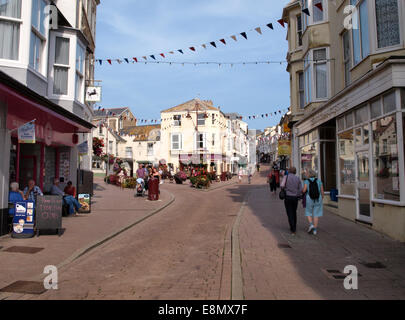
pixel 293 187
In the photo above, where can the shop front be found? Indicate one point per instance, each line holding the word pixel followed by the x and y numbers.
pixel 53 153
pixel 356 144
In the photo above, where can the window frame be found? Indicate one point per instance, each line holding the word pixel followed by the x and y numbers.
pixel 64 66
pixel 357 4
pixel 177 120
pixel 400 27
pixel 299 30
pixel 80 74
pixel 347 60
pixel 180 141
pixel 19 22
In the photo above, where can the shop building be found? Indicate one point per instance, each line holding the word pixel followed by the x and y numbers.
pixel 44 71
pixel 347 101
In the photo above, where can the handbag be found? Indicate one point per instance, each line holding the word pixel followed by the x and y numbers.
pixel 283 193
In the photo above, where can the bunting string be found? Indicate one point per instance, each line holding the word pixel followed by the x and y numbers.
pixel 223 42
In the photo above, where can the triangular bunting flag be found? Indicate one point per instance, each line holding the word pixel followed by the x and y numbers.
pixel 136 60
pixel 281 21
pixel 163 55
pixel 171 52
pixel 213 44
pixel 234 38
pixel 181 51
pixel 204 46
pixel 259 31
pixel 126 60
pixel 306 11
pixel 270 25
pixel 243 34
pixel 119 61
pixel 101 62
pixel 223 41
pixel 192 49
pixel 144 57
pixel 152 56
pixel 319 6
pixel 109 61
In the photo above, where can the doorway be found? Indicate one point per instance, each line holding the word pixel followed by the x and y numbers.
pixel 364 212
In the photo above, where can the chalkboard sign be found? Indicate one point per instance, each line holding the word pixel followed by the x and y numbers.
pixel 48 211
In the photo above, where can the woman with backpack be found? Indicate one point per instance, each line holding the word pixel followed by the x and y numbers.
pixel 314 204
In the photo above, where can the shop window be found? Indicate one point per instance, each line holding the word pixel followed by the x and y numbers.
pixel 358 138
pixel 385 157
pixel 366 138
pixel 309 157
pixel 376 109
pixel 361 115
pixel 349 120
pixel 341 123
pixel 387 19
pixel 347 163
pixel 61 67
pixel 389 102
pixel 361 45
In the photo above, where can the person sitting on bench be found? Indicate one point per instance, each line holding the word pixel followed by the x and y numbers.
pixel 68 200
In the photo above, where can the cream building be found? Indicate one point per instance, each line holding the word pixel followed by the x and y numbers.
pixel 195 132
pixel 347 99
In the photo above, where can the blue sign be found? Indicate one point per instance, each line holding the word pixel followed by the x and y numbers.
pixel 23 221
pixel 26 133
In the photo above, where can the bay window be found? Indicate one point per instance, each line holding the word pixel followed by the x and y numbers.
pixel 80 61
pixel 38 34
pixel 360 33
pixel 61 66
pixel 321 80
pixel 387 20
pixel 10 21
pixel 316 68
pixel 317 13
pixel 299 30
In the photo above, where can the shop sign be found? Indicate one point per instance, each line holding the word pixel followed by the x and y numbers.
pixel 83 148
pixel 23 221
pixel 306 157
pixel 286 128
pixel 85 201
pixel 26 133
pixel 284 147
pixel 93 94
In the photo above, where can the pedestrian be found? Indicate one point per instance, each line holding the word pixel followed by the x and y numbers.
pixel 293 188
pixel 272 181
pixel 240 174
pixel 258 167
pixel 249 175
pixel 314 201
pixel 32 191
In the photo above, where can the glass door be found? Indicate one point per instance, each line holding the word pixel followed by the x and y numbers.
pixel 363 187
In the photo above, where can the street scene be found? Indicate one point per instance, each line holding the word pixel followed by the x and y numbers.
pixel 214 150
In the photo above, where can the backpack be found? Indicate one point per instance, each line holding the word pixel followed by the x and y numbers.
pixel 314 190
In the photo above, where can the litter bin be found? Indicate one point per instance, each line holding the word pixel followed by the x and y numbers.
pixel 153 189
pixel 333 195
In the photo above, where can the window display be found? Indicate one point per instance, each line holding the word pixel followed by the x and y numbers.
pixel 347 163
pixel 385 157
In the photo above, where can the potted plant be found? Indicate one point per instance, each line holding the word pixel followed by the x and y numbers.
pixel 180 177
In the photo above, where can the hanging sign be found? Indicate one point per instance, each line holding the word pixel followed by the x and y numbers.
pixel 26 133
pixel 284 147
pixel 83 148
pixel 93 94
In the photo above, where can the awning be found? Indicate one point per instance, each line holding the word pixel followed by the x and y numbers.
pixel 54 124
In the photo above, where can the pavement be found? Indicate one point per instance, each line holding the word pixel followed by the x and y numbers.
pixel 113 211
pixel 277 265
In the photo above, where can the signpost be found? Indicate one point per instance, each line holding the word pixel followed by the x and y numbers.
pixel 23 221
pixel 49 213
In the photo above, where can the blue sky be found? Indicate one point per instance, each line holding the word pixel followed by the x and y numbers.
pixel 136 28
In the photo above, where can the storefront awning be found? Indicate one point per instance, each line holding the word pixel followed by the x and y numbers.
pixel 54 124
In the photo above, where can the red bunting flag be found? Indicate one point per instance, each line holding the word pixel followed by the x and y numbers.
pixel 319 6
pixel 109 61
pixel 223 41
pixel 136 60
pixel 281 21
pixel 192 48
pixel 163 55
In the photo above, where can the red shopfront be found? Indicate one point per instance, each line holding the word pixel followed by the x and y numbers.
pixel 56 131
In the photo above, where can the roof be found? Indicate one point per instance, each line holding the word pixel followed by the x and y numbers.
pixel 102 113
pixel 142 133
pixel 233 116
pixel 203 105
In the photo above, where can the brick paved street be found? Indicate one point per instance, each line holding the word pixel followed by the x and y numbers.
pixel 184 251
pixel 270 272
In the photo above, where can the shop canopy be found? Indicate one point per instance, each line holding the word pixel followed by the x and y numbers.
pixel 54 124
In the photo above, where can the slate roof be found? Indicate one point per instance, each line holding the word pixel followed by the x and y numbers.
pixel 117 111
pixel 191 105
pixel 140 133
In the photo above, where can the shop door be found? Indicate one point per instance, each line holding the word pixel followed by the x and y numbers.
pixel 363 188
pixel 28 170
